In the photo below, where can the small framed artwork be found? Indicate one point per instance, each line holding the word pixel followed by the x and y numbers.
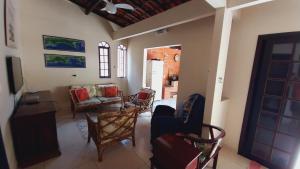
pixel 10 24
pixel 64 61
pixel 63 44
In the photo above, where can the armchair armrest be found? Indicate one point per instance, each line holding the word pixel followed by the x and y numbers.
pixel 120 93
pixel 212 139
pixel 129 98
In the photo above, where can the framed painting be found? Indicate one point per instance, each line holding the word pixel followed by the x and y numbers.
pixel 64 61
pixel 10 24
pixel 63 44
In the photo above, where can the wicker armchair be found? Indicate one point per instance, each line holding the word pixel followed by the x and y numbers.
pixel 142 104
pixel 184 151
pixel 111 127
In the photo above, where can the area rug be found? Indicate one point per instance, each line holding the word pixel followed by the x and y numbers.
pixel 81 124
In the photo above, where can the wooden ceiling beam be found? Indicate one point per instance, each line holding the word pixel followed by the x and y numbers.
pixel 143 9
pixel 128 15
pixel 112 19
pixel 140 8
pixel 91 7
pixel 157 6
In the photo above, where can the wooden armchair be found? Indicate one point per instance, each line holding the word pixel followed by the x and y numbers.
pixel 111 127
pixel 143 100
pixel 184 151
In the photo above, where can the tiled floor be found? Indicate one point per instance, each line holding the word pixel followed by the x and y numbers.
pixel 77 154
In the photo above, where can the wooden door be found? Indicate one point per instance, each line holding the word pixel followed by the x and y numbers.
pixel 271 128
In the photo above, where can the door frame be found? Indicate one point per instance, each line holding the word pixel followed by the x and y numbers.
pixel 145 60
pixel 260 48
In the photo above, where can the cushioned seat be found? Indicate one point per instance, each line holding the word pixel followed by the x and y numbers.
pixel 97 95
pixel 93 100
pixel 109 99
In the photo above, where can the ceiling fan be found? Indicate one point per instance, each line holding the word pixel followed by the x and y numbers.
pixel 112 8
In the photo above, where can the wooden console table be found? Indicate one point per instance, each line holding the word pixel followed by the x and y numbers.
pixel 34 129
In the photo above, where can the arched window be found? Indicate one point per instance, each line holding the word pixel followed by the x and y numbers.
pixel 122 52
pixel 104 60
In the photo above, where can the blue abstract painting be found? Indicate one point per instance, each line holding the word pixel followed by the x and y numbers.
pixel 64 61
pixel 63 44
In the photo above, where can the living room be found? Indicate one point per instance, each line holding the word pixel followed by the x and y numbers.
pixel 219 47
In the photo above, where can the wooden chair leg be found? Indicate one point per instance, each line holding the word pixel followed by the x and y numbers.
pixel 89 138
pixel 133 141
pixel 74 113
pixel 151 166
pixel 215 161
pixel 100 153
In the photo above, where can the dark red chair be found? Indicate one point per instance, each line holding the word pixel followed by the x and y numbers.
pixel 184 151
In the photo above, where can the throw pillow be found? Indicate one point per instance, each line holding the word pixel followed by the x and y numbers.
pixel 82 94
pixel 91 89
pixel 111 91
pixel 143 95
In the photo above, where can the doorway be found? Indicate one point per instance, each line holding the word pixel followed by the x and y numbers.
pixel 271 128
pixel 161 72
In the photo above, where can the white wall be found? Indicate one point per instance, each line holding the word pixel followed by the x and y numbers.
pixel 273 17
pixel 7 99
pixel 195 38
pixel 63 18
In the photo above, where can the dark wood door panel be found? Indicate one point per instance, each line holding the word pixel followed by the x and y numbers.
pixel 271 126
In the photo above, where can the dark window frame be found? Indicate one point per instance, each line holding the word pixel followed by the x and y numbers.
pixel 101 46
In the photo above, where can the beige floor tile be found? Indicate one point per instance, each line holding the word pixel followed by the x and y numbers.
pixel 118 157
pixel 77 154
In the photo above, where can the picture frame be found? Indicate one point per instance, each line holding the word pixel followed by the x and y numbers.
pixel 10 24
pixel 64 61
pixel 63 44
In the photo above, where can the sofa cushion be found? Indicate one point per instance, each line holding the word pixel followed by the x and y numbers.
pixel 90 101
pixel 110 91
pixel 91 90
pixel 114 128
pixel 109 99
pixel 82 94
pixel 100 87
pixel 143 95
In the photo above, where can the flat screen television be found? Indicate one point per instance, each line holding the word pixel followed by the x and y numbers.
pixel 14 70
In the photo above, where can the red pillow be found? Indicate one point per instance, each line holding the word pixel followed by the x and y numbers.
pixel 143 95
pixel 111 91
pixel 82 94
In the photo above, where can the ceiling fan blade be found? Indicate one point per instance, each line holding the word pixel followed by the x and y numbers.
pixel 109 7
pixel 112 10
pixel 124 6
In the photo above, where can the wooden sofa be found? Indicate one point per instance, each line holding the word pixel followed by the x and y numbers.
pixel 95 99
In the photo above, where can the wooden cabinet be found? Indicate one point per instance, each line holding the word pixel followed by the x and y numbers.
pixel 34 129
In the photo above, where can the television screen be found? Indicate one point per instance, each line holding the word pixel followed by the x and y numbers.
pixel 15 76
